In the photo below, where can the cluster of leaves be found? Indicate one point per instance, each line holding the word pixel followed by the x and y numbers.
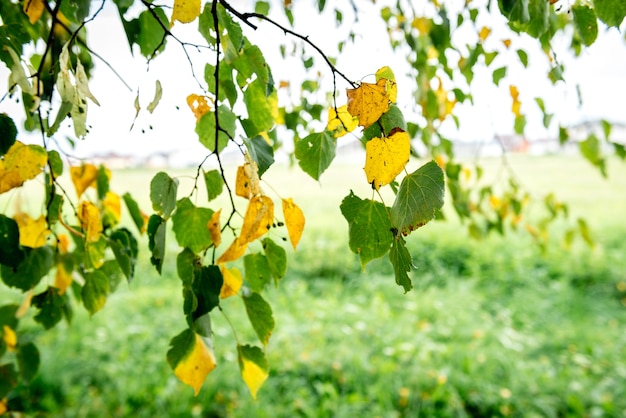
pixel 80 241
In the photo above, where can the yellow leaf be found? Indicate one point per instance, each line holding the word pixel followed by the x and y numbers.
pixel 341 122
pixel 484 33
pixel 34 9
pixel 21 163
pixel 422 24
pixel 185 11
pixel 83 176
pixel 10 338
pixel 63 243
pixel 214 228
pixel 198 105
pixel 242 183
pixel 236 250
pixel 62 279
pixel 196 365
pixel 386 73
pixel 112 205
pixel 507 43
pixel 368 102
pixel 247 182
pixel 253 375
pixel 385 158
pixel 444 103
pixel 258 218
pixel 89 216
pixel 515 107
pixel 3 405
pixel 294 220
pixel 25 305
pixel 232 282
pixel 33 232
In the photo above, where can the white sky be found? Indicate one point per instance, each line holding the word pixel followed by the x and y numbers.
pixel 601 73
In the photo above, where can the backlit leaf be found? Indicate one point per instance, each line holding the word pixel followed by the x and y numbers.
pixel 95 291
pixel 294 221
pixel 62 279
pixel 369 227
pixel 21 163
pixel 611 12
pixel 232 282
pixel 402 263
pixel 33 232
pixel 254 367
pixel 111 209
pixel 191 359
pixel 189 225
pixel 260 315
pixel 385 158
pixel 315 152
pixel 368 102
pixel 341 122
pixel 386 73
pixel 158 93
pixel 260 152
pixel 185 11
pixel 247 181
pixel 163 193
pixel 205 128
pixel 236 249
pixel 586 23
pixel 215 228
pixel 258 218
pixel 198 105
pixel 515 107
pixel 419 197
pixel 83 176
pixel 214 184
pixel 90 221
pixel 139 218
pixel 262 108
pixel 34 9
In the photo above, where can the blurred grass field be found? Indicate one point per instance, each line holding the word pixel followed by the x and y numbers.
pixel 492 328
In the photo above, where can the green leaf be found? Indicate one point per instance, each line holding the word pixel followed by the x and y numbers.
pixel 206 286
pixel 586 23
pixel 7 315
pixel 75 10
pixel 205 128
pixel 276 258
pixel 8 379
pixel 539 12
pixel 515 10
pixel 180 347
pixel 250 62
pixel 186 262
pixel 232 41
pixel 163 194
pixel 27 274
pixel 369 227
pixel 156 241
pixel 190 226
pixel 95 291
pixel 27 361
pixel 260 315
pixel 520 124
pixel 214 183
pixel 9 133
pixel 95 252
pixel 499 74
pixel 134 210
pixel 125 249
pixel 390 120
pixel 261 108
pixel 420 196
pixel 257 271
pixel 591 149
pixel 401 262
pixel 11 254
pixel 611 12
pixel 150 34
pixel 51 307
pixel 262 7
pixel 55 162
pixel 205 24
pixel 315 152
pixel 102 182
pixel 523 57
pixel 261 152
pixel 585 232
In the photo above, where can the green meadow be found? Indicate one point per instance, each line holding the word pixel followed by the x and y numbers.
pixel 492 328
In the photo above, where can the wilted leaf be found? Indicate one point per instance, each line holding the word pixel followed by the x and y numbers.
pixel 232 282
pixel 368 102
pixel 185 11
pixel 33 232
pixel 294 221
pixel 260 315
pixel 419 197
pixel 247 181
pixel 258 218
pixel 90 221
pixel 341 122
pixel 21 163
pixel 191 359
pixel 236 249
pixel 385 158
pixel 83 176
pixel 198 105
pixel 254 367
pixel 215 228
pixel 158 93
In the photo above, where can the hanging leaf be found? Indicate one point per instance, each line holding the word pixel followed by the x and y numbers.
pixel 205 128
pixel 27 274
pixel 83 176
pixel 158 93
pixel 402 263
pixel 21 163
pixel 340 122
pixel 419 197
pixel 189 225
pixel 276 257
pixel 369 227
pixel 163 193
pixel 214 228
pixel 260 152
pixel 28 361
pixel 257 271
pixel 258 218
pixel 9 133
pixel 62 279
pixel 254 367
pixel 51 307
pixel 9 337
pixel 139 219
pixel 185 11
pixel 389 122
pixel 386 73
pixel 385 158
pixel 232 282
pixel 191 359
pixel 515 107
pixel 315 152
pixel 214 183
pixel 90 221
pixel 611 12
pixel 262 108
pixel 33 232
pixel 198 105
pixel 294 221
pixel 95 291
pixel 10 252
pixel 206 286
pixel 368 102
pixel 236 249
pixel 260 315
pixel 34 9
pixel 156 241
pixel 124 247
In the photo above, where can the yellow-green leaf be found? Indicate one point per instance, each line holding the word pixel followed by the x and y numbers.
pixel 254 367
pixel 386 73
pixel 236 250
pixel 191 359
pixel 185 11
pixel 232 282
pixel 294 220
pixel 62 279
pixel 341 122
pixel 21 163
pixel 33 232
pixel 258 218
pixel 83 176
pixel 385 158
pixel 368 102
pixel 89 216
pixel 215 228
pixel 9 337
